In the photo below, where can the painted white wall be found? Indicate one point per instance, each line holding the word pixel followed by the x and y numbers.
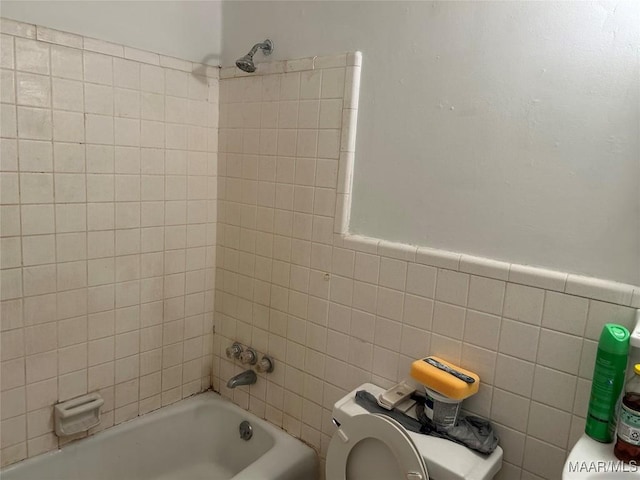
pixel 508 130
pixel 190 30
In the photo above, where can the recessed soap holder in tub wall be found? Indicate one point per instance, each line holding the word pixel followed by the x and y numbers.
pixel 78 414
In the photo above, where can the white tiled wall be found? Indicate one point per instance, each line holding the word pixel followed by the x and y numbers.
pixel 108 214
pixel 337 310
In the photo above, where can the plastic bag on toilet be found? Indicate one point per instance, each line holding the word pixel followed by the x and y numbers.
pixel 473 432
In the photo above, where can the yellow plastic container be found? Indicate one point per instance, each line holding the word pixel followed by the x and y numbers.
pixel 443 382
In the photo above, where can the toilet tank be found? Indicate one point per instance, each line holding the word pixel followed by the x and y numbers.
pixel 445 460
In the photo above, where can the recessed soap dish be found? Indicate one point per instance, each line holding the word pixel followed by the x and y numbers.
pixel 77 415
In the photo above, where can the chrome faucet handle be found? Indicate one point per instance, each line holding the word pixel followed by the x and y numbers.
pixel 249 356
pixel 234 351
pixel 265 365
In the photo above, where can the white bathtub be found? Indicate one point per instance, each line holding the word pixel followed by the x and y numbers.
pixel 194 439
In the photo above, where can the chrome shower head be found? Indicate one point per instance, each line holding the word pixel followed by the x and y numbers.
pixel 246 63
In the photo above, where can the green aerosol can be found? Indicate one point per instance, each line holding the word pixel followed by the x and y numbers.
pixel 608 381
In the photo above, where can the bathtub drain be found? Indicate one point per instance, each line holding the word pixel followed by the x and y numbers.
pixel 246 430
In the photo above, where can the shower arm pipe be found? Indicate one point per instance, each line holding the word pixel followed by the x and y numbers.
pixel 266 46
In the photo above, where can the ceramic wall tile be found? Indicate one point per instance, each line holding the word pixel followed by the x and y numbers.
pixel 76 190
pixel 371 305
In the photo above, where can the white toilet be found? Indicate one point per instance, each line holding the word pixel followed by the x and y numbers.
pixel 371 446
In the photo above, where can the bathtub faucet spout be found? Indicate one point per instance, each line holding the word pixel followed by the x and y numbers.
pixel 248 377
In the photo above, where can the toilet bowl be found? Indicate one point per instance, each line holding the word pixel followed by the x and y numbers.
pixel 373 446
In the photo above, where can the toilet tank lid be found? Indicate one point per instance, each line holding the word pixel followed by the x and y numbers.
pixel 444 459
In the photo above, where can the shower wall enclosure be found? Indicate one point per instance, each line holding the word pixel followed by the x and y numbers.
pixel 108 230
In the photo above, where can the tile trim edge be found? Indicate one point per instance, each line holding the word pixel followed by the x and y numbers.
pixel 579 285
pixel 89 44
pixel 304 64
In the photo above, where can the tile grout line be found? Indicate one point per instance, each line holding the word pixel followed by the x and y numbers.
pixel 22 270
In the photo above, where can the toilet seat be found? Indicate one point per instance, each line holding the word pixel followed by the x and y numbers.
pixel 366 445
